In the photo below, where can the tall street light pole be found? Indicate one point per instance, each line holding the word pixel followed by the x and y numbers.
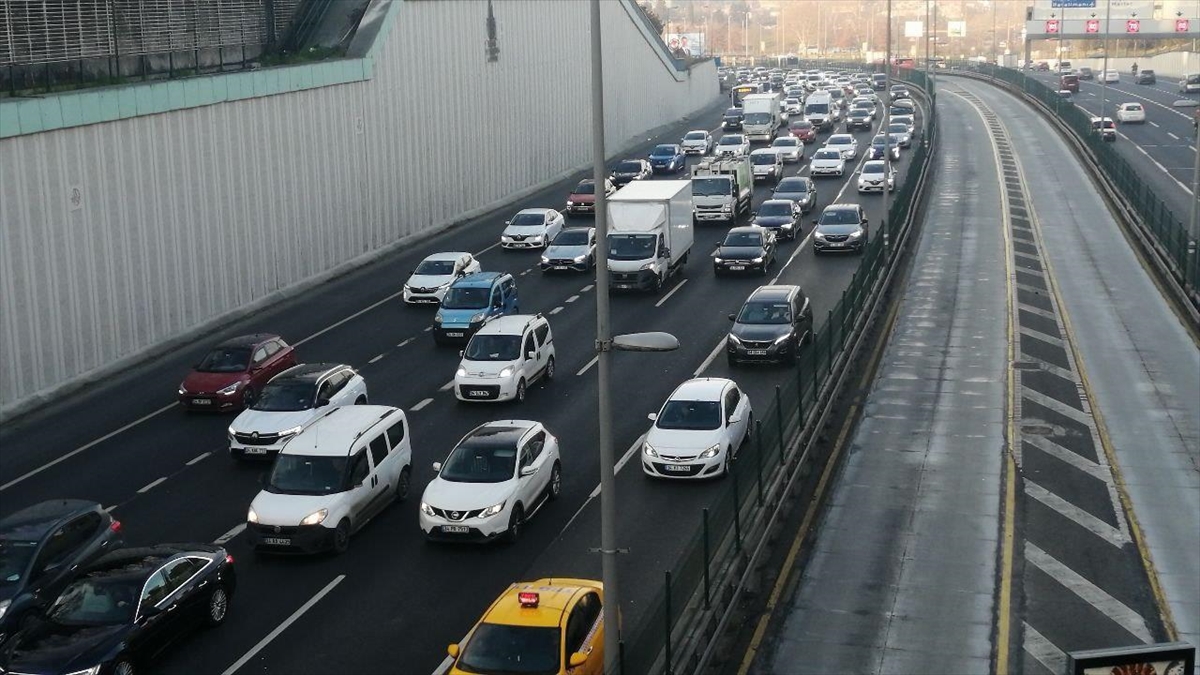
pixel 887 134
pixel 1194 228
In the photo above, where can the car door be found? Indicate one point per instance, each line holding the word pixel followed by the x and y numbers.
pixel 401 447
pixel 532 461
pixel 189 599
pixel 259 374
pixel 61 556
pixel 158 617
pixel 512 302
pixel 361 493
pixel 383 478
pixel 541 332
pixel 735 423
pixel 529 356
pixel 496 306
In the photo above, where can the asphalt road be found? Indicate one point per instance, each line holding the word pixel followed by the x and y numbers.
pixel 393 602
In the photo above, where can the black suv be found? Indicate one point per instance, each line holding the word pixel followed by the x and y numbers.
pixel 732 119
pixel 771 326
pixel 858 118
pixel 1147 77
pixel 841 227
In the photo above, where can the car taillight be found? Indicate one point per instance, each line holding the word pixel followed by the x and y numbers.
pixel 116 526
pixel 229 558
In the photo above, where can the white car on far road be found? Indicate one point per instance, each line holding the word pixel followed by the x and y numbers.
pixel 827 162
pixel 431 278
pixel 1131 113
pixel 789 147
pixel 698 430
pixel 697 142
pixel 1110 77
pixel 504 358
pixel 844 143
pixel 532 228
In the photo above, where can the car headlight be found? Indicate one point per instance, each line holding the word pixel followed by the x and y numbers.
pixel 649 450
pixel 507 372
pixel 94 670
pixel 647 266
pixel 718 260
pixel 231 389
pixel 427 509
pixel 545 260
pixel 711 452
pixel 819 235
pixel 315 518
pixel 570 203
pixel 4 607
pixel 735 339
pixel 182 390
pixel 290 432
pixel 251 516
pixel 461 372
pixel 782 338
pixel 757 260
pixel 786 226
pixel 437 318
pixel 445 285
pixel 580 258
pixel 478 317
pixel 856 235
pixel 492 510
pixel 727 208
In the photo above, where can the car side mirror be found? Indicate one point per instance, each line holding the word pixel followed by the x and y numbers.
pixel 577 659
pixel 865 221
pixel 528 471
pixel 530 354
pixel 653 417
pixel 322 402
pixel 814 222
pixel 437 466
pixel 508 222
pixel 732 316
pixel 462 353
pixel 452 650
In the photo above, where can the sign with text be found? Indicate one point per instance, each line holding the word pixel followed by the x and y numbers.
pixel 692 43
pixel 1067 4
pixel 956 29
pixel 1182 25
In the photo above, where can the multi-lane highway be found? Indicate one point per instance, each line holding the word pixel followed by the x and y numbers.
pixel 393 602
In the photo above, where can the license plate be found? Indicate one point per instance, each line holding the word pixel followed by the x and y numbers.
pixel 757 352
pixel 456 529
pixel 201 401
pixel 624 285
pixel 560 267
pixel 677 468
pixel 453 334
pixel 277 541
pixel 737 268
pixel 478 393
pixel 837 244
pixel 255 451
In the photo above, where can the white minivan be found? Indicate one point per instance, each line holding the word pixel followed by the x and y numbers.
pixel 504 358
pixel 330 479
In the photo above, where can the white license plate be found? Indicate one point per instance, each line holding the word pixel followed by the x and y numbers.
pixel 456 529
pixel 677 468
pixel 255 451
pixel 277 541
pixel 201 401
pixel 453 334
pixel 561 267
pixel 737 268
pixel 757 352
pixel 479 393
pixel 624 285
pixel 837 244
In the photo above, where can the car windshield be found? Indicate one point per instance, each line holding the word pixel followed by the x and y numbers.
pixel 743 239
pixel 493 348
pixel 98 601
pixel 694 136
pixel 586 187
pixel 225 360
pixel 711 186
pixel 500 648
pixel 827 154
pixel 764 158
pixel 765 313
pixel 1193 79
pixel 480 463
pixel 816 109
pixel 435 268
pixel 900 128
pixel 527 219
pixel 693 415
pixel 879 141
pixel 631 246
pixel 15 555
pixel 629 167
pixel 1133 106
pixel 466 298
pixel 839 217
pixel 730 140
pixel 663 151
pixel 733 112
pixel 776 209
pixel 306 475
pixel 802 126
pixel 792 185
pixel 871 167
pixel 758 118
pixel 786 142
pixel 571 238
pixel 287 396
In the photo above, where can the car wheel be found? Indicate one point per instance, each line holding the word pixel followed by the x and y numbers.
pixel 123 667
pixel 516 522
pixel 520 396
pixel 554 489
pixel 248 396
pixel 403 484
pixel 550 369
pixel 749 428
pixel 341 537
pixel 218 606
pixel 361 400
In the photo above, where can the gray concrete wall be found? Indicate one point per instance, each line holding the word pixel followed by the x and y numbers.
pixel 186 219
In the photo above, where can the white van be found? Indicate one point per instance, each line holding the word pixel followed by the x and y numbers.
pixel 330 479
pixel 819 109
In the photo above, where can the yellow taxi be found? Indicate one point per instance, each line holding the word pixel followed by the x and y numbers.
pixel 543 627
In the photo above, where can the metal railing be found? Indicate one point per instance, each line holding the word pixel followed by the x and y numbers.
pixel 663 640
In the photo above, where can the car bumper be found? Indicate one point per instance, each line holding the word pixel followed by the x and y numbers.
pixel 871 187
pixel 837 246
pixel 696 150
pixel 302 539
pixel 487 390
pixel 781 232
pixel 769 353
pixel 731 125
pixel 475 530
pixel 736 266
pixel 423 297
pixel 240 450
pixel 194 402
pixel 632 281
pixel 821 171
pixel 691 469
pixel 564 266
pixel 581 208
pixel 660 168
pixel 528 243
pixel 720 216
pixel 455 333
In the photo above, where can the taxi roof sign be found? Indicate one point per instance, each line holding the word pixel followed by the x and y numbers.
pixel 528 598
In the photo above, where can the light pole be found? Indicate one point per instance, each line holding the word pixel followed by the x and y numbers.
pixel 605 343
pixel 887 134
pixel 1104 70
pixel 1194 228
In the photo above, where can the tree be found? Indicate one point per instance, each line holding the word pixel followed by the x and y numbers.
pixel 655 20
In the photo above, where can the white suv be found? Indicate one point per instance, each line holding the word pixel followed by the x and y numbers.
pixel 495 479
pixel 504 357
pixel 698 430
pixel 331 479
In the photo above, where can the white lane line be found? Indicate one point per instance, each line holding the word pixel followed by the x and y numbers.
pixel 1162 168
pixel 523 273
pixel 672 292
pixel 233 532
pixel 150 486
pixel 375 359
pixel 587 288
pixel 198 458
pixel 406 341
pixel 486 249
pixel 353 316
pixel 556 310
pixel 709 359
pixel 1172 135
pixel 283 626
pixel 428 328
pixel 447 387
pixel 588 365
pixel 421 404
pixel 85 446
pixel 1114 609
pixel 110 509
pixel 1154 124
pixel 1037 646
pixel 802 246
pixel 444 666
pixel 633 449
pixel 573 298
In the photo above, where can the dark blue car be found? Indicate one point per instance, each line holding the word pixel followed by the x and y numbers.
pixel 667 158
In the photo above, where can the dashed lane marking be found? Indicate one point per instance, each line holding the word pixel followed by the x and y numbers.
pixel 447 387
pixel 151 485
pixel 637 445
pixel 235 531
pixel 198 458
pixel 588 365
pixel 375 359
pixel 587 288
pixel 406 341
pixel 556 310
pixel 353 316
pixel 284 626
pixel 573 298
pixel 669 294
pixel 486 249
pixel 1172 135
pixel 428 328
pixel 421 404
pixel 1154 124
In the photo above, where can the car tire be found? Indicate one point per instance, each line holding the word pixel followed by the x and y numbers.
pixel 403 484
pixel 549 372
pixel 516 522
pixel 554 489
pixel 361 400
pixel 519 397
pixel 749 428
pixel 341 537
pixel 218 607
pixel 123 666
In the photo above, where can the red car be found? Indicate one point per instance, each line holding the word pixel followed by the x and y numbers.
pixel 583 198
pixel 231 374
pixel 804 130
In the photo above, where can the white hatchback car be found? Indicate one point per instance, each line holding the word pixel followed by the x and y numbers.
pixel 532 228
pixel 733 145
pixel 331 479
pixel 698 430
pixel 1131 113
pixel 871 176
pixel 493 482
pixel 789 147
pixel 843 143
pixel 289 403
pixel 827 162
pixel 697 142
pixel 434 275
pixel 504 358
pixel 1110 77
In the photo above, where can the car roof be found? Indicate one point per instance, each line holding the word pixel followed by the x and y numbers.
pixel 247 340
pixel 479 280
pixel 776 201
pixel 840 137
pixel 554 597
pixel 538 210
pixel 746 229
pixel 503 433
pixel 447 255
pixel 33 522
pixel 511 324
pixel 701 389
pixel 334 433
pixel 141 561
pixel 763 151
pixel 307 372
pixel 773 292
pixel 842 206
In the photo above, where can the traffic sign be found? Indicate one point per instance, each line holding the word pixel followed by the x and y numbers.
pixel 1093 25
pixel 1052 26
pixel 1182 25
pixel 1133 26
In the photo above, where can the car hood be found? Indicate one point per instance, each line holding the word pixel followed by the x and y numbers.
pixel 682 442
pixel 485 368
pixel 581 198
pixel 207 383
pixel 798 197
pixel 272 422
pixel 661 158
pixel 695 141
pixel 760 331
pixel 454 496
pixel 525 230
pixel 827 162
pixel 567 251
pixel 429 280
pixel 54 648
pixel 739 252
pixel 289 510
pixel 459 316
pixel 771 221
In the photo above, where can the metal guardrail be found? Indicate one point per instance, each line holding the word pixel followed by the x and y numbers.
pixel 699 591
pixel 1162 233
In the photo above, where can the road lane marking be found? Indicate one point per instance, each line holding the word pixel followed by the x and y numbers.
pixel 421 404
pixel 1164 169
pixel 1082 518
pixel 1114 609
pixel 573 298
pixel 523 273
pixel 633 449
pixel 486 249
pixel 637 446
pixel 556 310
pixel 151 485
pixel 709 359
pixel 587 288
pixel 1172 135
pixel 85 446
pixel 233 532
pixel 428 328
pixel 406 341
pixel 197 458
pixel 110 509
pixel 353 316
pixel 444 666
pixel 1154 124
pixel 1051 657
pixel 375 359
pixel 283 626
pixel 587 365
pixel 447 387
pixel 669 294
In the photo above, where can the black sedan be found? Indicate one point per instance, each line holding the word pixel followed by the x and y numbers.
pixel 781 216
pixel 126 608
pixel 630 170
pixel 799 189
pixel 745 249
pixel 42 548
pixel 1147 77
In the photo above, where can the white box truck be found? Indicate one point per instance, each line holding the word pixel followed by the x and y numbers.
pixel 650 233
pixel 761 116
pixel 721 189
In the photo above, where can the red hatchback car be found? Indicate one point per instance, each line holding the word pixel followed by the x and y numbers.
pixel 231 374
pixel 583 198
pixel 804 130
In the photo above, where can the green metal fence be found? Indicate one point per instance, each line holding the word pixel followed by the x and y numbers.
pixel 1168 228
pixel 792 410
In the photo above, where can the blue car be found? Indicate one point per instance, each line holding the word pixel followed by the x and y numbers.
pixel 472 301
pixel 667 158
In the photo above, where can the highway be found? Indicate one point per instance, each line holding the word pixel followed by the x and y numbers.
pixel 393 602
